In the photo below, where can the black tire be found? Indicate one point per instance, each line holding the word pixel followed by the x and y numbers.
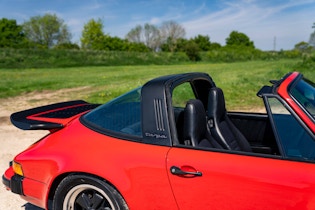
pixel 80 192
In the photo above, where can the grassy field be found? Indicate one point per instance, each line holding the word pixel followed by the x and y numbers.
pixel 240 81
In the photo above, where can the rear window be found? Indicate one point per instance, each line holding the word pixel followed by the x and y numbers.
pixel 122 114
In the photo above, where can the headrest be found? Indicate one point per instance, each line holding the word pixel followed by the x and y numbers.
pixel 195 126
pixel 216 103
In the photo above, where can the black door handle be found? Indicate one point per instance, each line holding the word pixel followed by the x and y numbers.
pixel 177 171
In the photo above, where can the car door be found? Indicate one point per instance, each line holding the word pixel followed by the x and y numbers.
pixel 203 179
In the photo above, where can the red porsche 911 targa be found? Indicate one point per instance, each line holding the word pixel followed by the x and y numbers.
pixel 171 144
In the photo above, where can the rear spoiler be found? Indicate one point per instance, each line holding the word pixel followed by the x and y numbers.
pixel 53 116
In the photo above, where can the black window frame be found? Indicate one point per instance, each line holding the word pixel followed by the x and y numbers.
pixel 274 126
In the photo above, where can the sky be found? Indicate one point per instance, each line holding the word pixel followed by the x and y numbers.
pixel 270 24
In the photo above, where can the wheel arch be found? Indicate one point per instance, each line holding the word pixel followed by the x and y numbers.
pixel 59 178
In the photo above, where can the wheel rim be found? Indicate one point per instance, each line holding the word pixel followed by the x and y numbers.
pixel 86 196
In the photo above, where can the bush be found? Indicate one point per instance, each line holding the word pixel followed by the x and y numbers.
pixel 49 58
pixel 233 54
pixel 192 51
pixel 62 56
pixel 67 46
pixel 308 62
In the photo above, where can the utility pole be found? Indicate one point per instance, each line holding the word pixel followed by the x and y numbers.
pixel 274 43
pixel 311 42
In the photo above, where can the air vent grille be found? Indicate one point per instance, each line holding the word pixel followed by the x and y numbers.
pixel 159 115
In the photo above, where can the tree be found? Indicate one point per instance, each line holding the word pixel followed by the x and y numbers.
pixel 148 35
pixel 170 33
pixel 164 37
pixel 311 42
pixel 215 46
pixel 301 45
pixel 239 39
pixel 47 30
pixel 192 51
pixel 11 34
pixel 135 34
pixel 118 44
pixel 152 36
pixel 203 42
pixel 114 44
pixel 93 35
pixel 181 44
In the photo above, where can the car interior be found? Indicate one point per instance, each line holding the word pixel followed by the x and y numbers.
pixel 213 127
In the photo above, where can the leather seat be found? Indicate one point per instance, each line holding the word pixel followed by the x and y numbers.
pixel 221 127
pixel 195 126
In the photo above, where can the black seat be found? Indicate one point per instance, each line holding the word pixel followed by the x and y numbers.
pixel 221 127
pixel 195 126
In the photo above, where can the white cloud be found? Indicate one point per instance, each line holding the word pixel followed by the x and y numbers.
pixel 260 22
pixel 155 21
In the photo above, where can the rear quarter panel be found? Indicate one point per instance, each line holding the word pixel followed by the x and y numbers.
pixel 137 170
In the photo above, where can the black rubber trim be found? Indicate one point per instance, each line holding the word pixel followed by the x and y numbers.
pixel 6 182
pixel 16 184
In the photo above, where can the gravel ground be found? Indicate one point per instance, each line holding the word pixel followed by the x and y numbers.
pixel 12 142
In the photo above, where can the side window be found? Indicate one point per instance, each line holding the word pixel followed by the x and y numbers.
pixel 295 141
pixel 122 115
pixel 182 94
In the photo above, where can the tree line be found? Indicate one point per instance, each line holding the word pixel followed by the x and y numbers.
pixel 51 32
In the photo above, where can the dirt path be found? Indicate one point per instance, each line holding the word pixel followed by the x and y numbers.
pixel 13 140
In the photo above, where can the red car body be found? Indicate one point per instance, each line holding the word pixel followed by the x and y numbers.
pixel 148 164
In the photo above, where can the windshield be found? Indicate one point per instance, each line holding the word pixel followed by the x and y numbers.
pixel 122 114
pixel 304 93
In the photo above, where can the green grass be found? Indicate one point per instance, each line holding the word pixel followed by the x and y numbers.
pixel 240 81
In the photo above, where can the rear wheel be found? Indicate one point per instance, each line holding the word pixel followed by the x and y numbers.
pixel 80 192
